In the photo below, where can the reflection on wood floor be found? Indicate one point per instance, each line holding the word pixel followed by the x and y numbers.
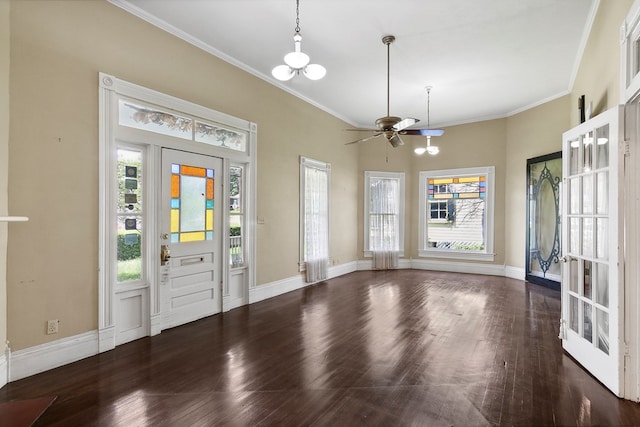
pixel 403 347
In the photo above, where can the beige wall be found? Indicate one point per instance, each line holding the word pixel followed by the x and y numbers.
pixel 598 77
pixel 58 49
pixel 4 164
pixel 52 259
pixel 533 133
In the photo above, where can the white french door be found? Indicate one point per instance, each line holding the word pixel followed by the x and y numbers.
pixel 591 324
pixel 190 237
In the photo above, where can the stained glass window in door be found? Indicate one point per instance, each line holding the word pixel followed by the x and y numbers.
pixel 192 203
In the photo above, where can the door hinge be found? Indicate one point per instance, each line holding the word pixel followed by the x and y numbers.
pixel 626 148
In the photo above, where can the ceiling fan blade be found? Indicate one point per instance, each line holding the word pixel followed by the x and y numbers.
pixel 364 139
pixel 405 123
pixel 395 140
pixel 361 130
pixel 423 132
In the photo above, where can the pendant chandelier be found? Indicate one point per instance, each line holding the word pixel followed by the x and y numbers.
pixel 297 61
pixel 431 149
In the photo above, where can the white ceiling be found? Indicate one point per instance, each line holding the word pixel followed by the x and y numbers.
pixel 484 58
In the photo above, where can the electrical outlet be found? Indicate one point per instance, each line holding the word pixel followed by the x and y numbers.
pixel 52 326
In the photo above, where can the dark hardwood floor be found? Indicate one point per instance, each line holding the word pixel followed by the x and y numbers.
pixel 396 348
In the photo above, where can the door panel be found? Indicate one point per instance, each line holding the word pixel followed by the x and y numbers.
pixel 191 230
pixel 591 286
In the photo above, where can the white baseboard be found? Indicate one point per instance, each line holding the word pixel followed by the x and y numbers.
pixel 43 357
pixel 283 286
pixel 514 272
pixel 4 368
pixel 442 265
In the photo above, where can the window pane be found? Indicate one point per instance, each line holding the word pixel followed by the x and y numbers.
pixel 154 120
pixel 574 235
pixel 220 137
pixel 465 231
pixel 129 215
pixel 384 214
pixel 236 217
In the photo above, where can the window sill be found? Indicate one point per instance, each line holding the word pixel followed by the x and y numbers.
pixel 470 256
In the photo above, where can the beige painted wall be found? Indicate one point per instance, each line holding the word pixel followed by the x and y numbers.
pixel 598 77
pixel 58 49
pixel 4 164
pixel 532 133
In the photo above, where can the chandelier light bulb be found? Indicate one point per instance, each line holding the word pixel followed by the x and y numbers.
pixel 283 73
pixel 419 150
pixel 433 150
pixel 314 71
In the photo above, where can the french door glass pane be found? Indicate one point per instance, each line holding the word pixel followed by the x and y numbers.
pixel 574 191
pixel 587 237
pixel 602 320
pixel 573 282
pixel 573 313
pixel 587 194
pixel 602 284
pixel 587 323
pixel 602 192
pixel 574 159
pixel 602 144
pixel 574 235
pixel 602 238
pixel 586 280
pixel 587 155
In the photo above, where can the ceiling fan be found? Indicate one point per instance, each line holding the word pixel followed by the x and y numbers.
pixel 391 126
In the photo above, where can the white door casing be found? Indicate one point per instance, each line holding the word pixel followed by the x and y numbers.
pixel 591 324
pixel 138 308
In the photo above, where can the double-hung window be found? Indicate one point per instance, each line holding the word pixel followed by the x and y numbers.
pixel 384 212
pixel 456 213
pixel 314 218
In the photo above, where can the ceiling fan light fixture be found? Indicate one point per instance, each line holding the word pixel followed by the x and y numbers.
pixel 297 61
pixel 432 149
pixel 428 148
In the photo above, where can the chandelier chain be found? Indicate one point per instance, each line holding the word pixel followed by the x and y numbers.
pixel 297 16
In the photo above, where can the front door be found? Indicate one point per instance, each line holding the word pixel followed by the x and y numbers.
pixel 591 326
pixel 191 236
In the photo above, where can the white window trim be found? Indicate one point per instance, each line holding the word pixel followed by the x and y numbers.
pixel 367 180
pixel 306 162
pixel 486 255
